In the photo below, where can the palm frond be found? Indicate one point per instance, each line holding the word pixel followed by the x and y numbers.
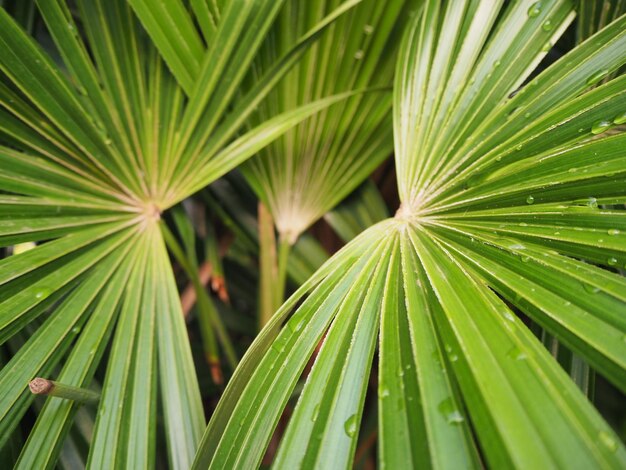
pixel 305 173
pixel 92 151
pixel 503 177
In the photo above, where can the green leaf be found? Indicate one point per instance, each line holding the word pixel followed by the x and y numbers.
pixel 499 221
pixel 305 173
pixel 53 424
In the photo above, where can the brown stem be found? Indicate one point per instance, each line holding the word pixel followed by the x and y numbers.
pixel 40 386
pixel 189 297
pixel 365 446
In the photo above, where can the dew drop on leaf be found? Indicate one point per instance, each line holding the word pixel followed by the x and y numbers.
pixel 607 440
pixel 547 25
pixel 368 29
pixel 591 289
pixel 299 325
pixel 316 411
pixel 620 119
pixel 517 354
pixel 592 202
pixel 383 392
pixel 43 293
pixel 600 126
pixel 530 200
pixel 450 411
pixel 596 77
pixel 76 330
pixel 534 9
pixel 613 231
pixel 350 426
pixel 611 261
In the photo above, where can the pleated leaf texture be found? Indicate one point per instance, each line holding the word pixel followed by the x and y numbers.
pixel 512 185
pixel 96 141
pixel 307 171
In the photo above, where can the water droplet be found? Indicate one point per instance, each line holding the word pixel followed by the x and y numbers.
pixel 530 200
pixel 513 111
pixel 607 440
pixel 600 126
pixel 620 118
pixel 298 326
pixel 546 47
pixel 368 29
pixel 534 9
pixel 316 411
pixel 613 231
pixel 512 244
pixel 358 55
pixel 383 392
pixel 547 25
pixel 591 289
pixel 43 293
pixel 475 180
pixel 76 330
pixel 525 259
pixel 350 426
pixel 592 202
pixel 518 147
pixel 497 63
pixel 611 261
pixel 527 115
pixel 596 77
pixel 450 411
pixel 517 354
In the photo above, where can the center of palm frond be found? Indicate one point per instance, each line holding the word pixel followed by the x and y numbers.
pixel 411 208
pixel 150 214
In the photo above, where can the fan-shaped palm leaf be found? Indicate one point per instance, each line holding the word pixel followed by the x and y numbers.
pixel 93 151
pixel 505 216
pixel 305 173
